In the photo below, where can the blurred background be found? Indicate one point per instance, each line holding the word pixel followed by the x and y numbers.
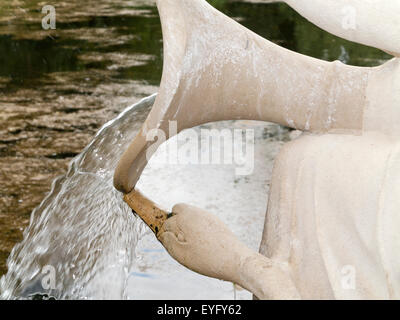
pixel 57 87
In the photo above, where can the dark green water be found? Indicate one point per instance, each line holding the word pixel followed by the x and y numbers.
pixel 26 61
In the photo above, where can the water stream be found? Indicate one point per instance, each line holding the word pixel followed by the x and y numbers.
pixel 82 228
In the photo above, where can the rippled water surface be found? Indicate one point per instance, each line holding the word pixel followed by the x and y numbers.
pixel 58 87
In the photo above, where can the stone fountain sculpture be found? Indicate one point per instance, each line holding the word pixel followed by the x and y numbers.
pixel 335 193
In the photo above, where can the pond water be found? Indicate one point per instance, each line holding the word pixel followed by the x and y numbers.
pixel 57 87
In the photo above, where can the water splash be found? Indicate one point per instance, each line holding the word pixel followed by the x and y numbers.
pixel 82 229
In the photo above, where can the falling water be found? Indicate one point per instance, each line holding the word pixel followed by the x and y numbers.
pixel 82 230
